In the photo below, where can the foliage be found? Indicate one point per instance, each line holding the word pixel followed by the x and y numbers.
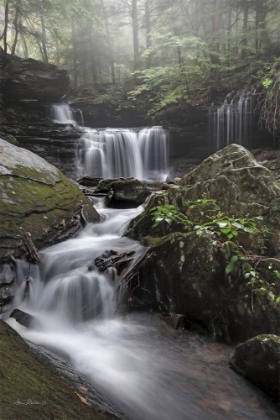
pixel 223 226
pixel 255 282
pixel 270 99
pixel 169 214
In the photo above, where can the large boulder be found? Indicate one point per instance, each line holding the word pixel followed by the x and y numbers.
pixel 239 184
pixel 230 287
pixel 258 360
pixel 36 200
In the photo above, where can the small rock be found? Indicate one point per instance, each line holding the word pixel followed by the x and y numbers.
pixel 22 317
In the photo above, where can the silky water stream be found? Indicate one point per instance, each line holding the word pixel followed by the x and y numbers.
pixel 146 370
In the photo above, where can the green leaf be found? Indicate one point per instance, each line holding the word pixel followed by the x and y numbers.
pixel 262 291
pixel 225 230
pixel 277 273
pixel 230 266
pixel 278 300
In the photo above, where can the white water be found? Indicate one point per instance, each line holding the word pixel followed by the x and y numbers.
pixel 62 114
pixel 148 376
pixel 114 153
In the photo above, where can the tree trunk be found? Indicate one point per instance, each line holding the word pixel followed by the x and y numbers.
pixel 109 43
pixel 135 33
pixel 44 40
pixel 148 32
pixel 4 34
pixel 92 58
pixel 216 26
pixel 74 51
pixel 16 32
pixel 245 29
pixel 24 45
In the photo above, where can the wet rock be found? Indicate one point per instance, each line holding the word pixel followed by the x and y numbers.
pixel 89 214
pixel 90 182
pixel 258 360
pixel 175 321
pixel 22 317
pixel 6 293
pixel 128 190
pixel 112 259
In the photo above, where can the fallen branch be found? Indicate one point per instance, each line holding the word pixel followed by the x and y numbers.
pixel 30 248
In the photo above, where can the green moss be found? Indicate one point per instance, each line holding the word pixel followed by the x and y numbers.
pixel 152 242
pixel 266 337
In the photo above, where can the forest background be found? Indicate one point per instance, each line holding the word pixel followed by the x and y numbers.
pixel 155 55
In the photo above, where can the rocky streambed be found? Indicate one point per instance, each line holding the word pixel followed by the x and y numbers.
pixel 221 285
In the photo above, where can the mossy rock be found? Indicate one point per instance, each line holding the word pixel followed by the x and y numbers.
pixel 189 277
pixel 241 187
pixel 36 198
pixel 258 360
pixel 192 280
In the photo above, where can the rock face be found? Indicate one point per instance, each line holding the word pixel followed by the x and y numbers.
pixel 258 360
pixel 36 198
pixel 227 286
pixel 27 90
pixel 29 79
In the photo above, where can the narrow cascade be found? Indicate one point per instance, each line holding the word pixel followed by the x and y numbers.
pixel 154 150
pixel 233 121
pixel 114 153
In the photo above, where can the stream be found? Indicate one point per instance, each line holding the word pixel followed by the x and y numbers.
pixel 145 369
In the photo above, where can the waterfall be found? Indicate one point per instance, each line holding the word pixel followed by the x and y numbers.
pixel 233 121
pixel 114 153
pixel 153 147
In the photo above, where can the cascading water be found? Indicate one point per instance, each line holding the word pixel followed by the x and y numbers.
pixel 114 153
pixel 233 121
pixel 146 374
